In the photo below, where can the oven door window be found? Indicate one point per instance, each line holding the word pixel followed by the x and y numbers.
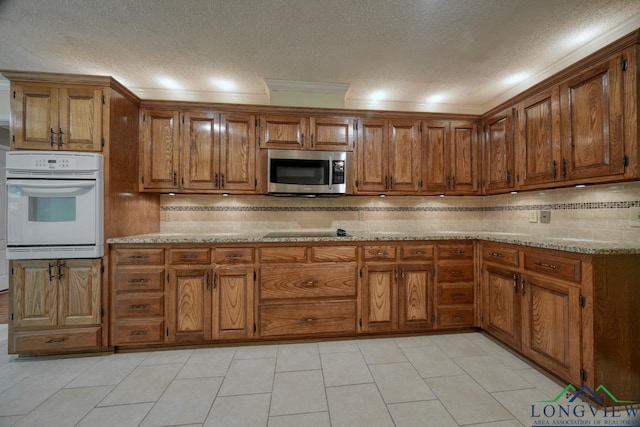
pixel 299 172
pixel 52 209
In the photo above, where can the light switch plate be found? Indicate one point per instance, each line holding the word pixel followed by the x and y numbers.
pixel 533 216
pixel 634 217
pixel 545 217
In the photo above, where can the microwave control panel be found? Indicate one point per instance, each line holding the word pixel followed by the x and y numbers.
pixel 338 172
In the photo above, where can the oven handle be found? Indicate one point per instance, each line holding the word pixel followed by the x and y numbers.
pixel 61 184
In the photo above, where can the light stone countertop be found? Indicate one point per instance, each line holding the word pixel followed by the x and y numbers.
pixel 583 246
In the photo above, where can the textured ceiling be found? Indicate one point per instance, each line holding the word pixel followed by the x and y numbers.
pixel 401 51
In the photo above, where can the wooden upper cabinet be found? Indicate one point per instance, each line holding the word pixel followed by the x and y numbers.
pixel 332 133
pixel 46 117
pixel 237 152
pixel 200 153
pixel 499 168
pixel 404 156
pixel 283 132
pixel 435 155
pixel 372 173
pixel 592 106
pixel 160 149
pixel 463 166
pixel 538 139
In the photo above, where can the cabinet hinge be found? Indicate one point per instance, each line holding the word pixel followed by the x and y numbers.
pixel 255 182
pixel 257 122
pixel 625 65
pixel 183 119
pixel 101 312
pixel 102 142
pixel 11 316
pixel 357 183
pixel 255 276
pixel 258 139
pixel 420 183
pixel 144 116
pixel 167 331
pixel 254 327
pixel 583 301
pixel 360 322
pixel 104 100
pixel 356 126
pixel 626 160
pixel 102 269
pixel 420 127
pixel 12 271
pixel 167 277
pixel 360 272
pixel 14 94
pixel 142 179
pixel 583 374
pixel 14 138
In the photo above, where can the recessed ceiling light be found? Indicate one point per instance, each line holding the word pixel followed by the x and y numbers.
pixel 516 78
pixel 378 95
pixel 224 84
pixel 438 97
pixel 168 82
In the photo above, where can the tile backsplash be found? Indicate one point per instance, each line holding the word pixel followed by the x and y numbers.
pixel 594 212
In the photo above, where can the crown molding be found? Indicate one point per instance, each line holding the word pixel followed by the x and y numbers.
pixel 366 104
pixel 300 86
pixel 201 96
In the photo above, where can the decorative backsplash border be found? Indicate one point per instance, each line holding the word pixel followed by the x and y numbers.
pixel 550 206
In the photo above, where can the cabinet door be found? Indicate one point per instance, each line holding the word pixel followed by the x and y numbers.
pixel 200 150
pixel 379 298
pixel 238 152
pixel 34 293
pixel 283 132
pixel 34 117
pixel 435 156
pixel 233 303
pixel 539 139
pixel 552 326
pixel 79 292
pixel 332 133
pixel 501 297
pixel 404 156
pixel 592 122
pixel 415 294
pixel 189 305
pixel 463 166
pixel 498 145
pixel 160 150
pixel 80 126
pixel 372 175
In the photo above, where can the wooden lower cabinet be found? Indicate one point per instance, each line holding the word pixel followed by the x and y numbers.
pixel 501 311
pixel 56 305
pixel 308 319
pixel 233 303
pixel 379 298
pixel 189 305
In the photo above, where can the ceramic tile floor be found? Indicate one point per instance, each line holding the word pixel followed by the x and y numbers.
pixel 443 380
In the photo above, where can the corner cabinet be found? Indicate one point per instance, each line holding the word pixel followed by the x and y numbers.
pixel 55 117
pixel 56 306
pixel 499 173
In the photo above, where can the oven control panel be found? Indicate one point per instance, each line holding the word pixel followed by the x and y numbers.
pixel 43 163
pixel 20 163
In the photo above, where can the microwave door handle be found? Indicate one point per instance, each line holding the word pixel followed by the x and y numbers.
pixel 330 172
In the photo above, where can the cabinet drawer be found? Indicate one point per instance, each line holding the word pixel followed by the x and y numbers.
pixel 190 256
pixel 139 305
pixel 310 281
pixel 283 254
pixel 140 332
pixel 455 294
pixel 456 316
pixel 234 255
pixel 455 272
pixel 380 253
pixel 308 319
pixel 501 255
pixel 60 340
pixel 333 253
pixel 416 252
pixel 554 266
pixel 139 279
pixel 139 256
pixel 455 251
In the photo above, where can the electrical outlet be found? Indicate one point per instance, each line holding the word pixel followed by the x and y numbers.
pixel 360 215
pixel 545 217
pixel 533 216
pixel 634 217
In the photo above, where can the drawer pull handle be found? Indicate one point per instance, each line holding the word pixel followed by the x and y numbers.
pixel 233 256
pixel 457 317
pixel 547 265
pixel 138 256
pixel 137 333
pixel 188 256
pixel 309 283
pixel 54 341
pixel 138 281
pixel 496 254
pixel 138 306
pixel 309 319
pixel 380 253
pixel 458 294
pixel 456 273
pixel 456 251
pixel 416 253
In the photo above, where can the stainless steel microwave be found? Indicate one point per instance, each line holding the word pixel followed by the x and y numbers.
pixel 307 173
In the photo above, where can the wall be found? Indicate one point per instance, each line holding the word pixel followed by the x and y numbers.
pixel 598 212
